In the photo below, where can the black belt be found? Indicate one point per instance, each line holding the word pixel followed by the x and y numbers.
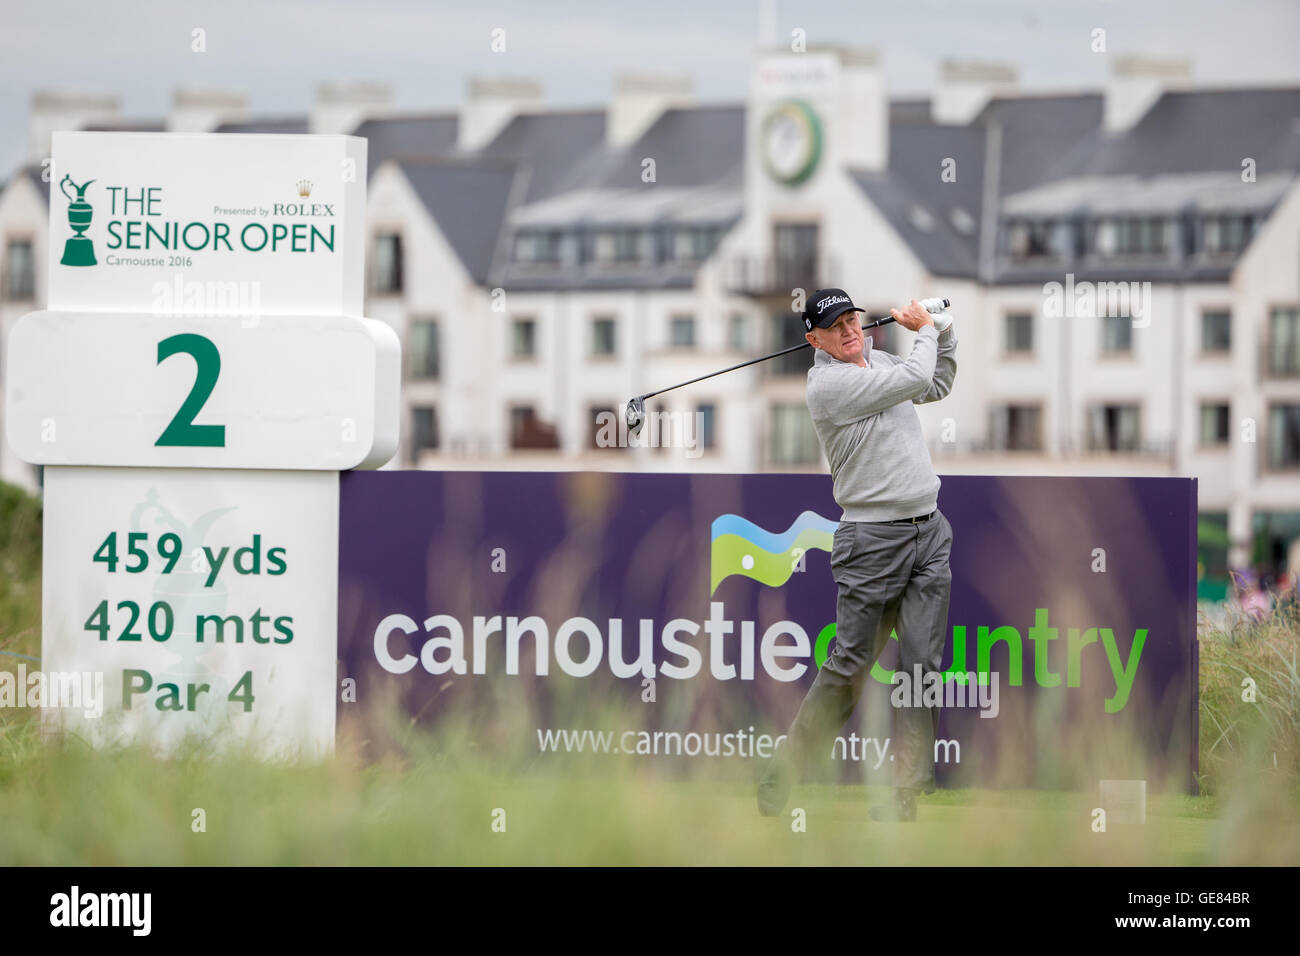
pixel 917 520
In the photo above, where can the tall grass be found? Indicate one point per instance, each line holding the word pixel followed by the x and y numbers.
pixel 1250 701
pixel 477 791
pixel 20 574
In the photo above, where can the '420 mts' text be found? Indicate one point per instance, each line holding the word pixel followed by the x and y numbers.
pixel 160 622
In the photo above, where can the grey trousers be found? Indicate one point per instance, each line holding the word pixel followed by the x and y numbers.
pixel 890 577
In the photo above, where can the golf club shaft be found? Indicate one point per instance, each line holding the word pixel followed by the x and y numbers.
pixel 764 358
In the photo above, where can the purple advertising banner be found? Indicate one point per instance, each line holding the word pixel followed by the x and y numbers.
pixel 1071 639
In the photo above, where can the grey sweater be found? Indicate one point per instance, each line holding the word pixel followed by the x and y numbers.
pixel 869 430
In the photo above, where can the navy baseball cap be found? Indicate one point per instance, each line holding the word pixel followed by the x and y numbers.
pixel 825 306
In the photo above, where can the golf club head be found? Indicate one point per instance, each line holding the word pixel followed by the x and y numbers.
pixel 634 414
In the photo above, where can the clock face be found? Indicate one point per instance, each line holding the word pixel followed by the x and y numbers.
pixel 791 142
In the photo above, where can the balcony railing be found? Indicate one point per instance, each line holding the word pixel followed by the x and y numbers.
pixel 779 275
pixel 1068 448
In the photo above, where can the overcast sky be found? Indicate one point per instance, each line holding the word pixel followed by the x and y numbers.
pixel 276 51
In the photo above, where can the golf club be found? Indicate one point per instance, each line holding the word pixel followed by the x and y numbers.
pixel 634 415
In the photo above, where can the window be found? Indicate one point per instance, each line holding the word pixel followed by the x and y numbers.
pixel 538 246
pixel 617 245
pixel 1116 334
pixel 1227 234
pixel 1216 330
pixel 388 264
pixel 1284 436
pixel 422 352
pixel 424 431
pixel 1284 342
pixel 529 431
pixel 787 330
pixel 1214 423
pixel 795 247
pixel 793 441
pixel 1114 428
pixel 523 339
pixel 602 337
pixel 1029 240
pixel 1016 428
pixel 1019 332
pixel 705 433
pixel 1144 235
pixel 682 332
pixel 738 333
pixel 20 271
pixel 696 243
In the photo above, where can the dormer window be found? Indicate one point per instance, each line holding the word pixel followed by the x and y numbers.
pixel 695 243
pixel 1134 236
pixel 617 245
pixel 1227 233
pixel 538 246
pixel 1031 239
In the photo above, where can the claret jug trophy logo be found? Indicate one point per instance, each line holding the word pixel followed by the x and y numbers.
pixel 79 250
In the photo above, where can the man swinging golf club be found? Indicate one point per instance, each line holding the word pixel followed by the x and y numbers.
pixel 890 552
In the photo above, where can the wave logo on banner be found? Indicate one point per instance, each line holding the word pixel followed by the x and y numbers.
pixel 742 547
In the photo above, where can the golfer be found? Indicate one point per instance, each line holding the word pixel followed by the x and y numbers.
pixel 890 551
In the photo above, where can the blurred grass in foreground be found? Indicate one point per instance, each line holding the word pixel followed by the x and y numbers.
pixel 397 794
pixel 64 804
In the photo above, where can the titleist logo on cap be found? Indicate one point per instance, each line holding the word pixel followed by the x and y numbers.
pixel 829 301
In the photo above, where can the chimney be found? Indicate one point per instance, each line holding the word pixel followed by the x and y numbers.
pixel 639 100
pixel 966 86
pixel 862 116
pixel 342 107
pixel 491 103
pixel 202 111
pixel 65 110
pixel 1136 82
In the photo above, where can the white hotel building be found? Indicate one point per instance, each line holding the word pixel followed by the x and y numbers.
pixel 542 265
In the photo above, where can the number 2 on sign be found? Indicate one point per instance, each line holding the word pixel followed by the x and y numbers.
pixel 182 430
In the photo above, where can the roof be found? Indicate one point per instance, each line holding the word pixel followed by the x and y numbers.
pixel 933 238
pixel 1049 156
pixel 33 173
pixel 282 124
pixel 1195 131
pixel 556 169
pixel 923 205
pixel 127 126
pixel 548 145
pixel 626 207
pixel 421 135
pixel 690 146
pixel 469 200
pixel 1167 194
pixel 1025 155
pixel 1037 132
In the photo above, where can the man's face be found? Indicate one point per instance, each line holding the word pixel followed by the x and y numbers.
pixel 842 340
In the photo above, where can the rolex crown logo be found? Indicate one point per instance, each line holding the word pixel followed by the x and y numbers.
pixel 304 187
